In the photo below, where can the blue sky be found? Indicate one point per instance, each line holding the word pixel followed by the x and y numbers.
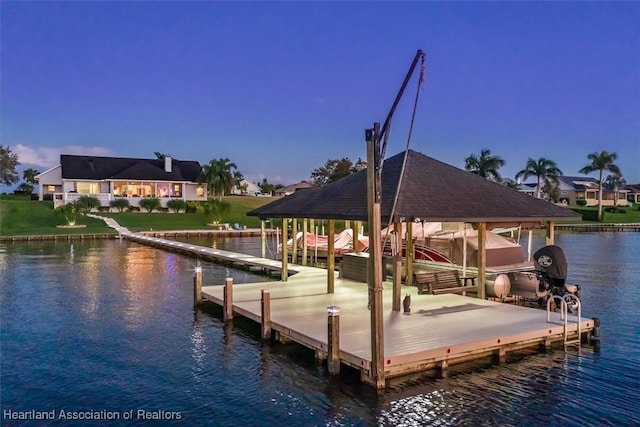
pixel 281 87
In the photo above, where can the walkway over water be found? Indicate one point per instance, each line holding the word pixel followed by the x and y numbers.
pixel 439 330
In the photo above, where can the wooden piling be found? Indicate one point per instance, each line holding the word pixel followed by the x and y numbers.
pixel 265 319
pixel 333 338
pixel 228 300
pixel 284 274
pixel 397 268
pixel 550 234
pixel 331 257
pixel 482 260
pixel 595 336
pixel 197 286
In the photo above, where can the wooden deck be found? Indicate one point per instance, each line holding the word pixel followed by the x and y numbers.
pixel 440 330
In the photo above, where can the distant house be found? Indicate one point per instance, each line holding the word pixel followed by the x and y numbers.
pixel 107 178
pixel 290 189
pixel 246 188
pixel 573 188
pixel 633 193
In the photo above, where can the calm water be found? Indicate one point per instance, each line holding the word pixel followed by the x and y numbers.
pixel 109 326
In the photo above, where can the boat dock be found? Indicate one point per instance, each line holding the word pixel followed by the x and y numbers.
pixel 438 331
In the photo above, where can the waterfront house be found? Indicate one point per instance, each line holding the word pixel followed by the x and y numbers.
pixel 290 189
pixel 246 188
pixel 573 188
pixel 633 193
pixel 107 178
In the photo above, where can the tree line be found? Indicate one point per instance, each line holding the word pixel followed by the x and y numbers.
pixel 221 175
pixel 547 172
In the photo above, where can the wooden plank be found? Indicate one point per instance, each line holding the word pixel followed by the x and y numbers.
pixel 443 327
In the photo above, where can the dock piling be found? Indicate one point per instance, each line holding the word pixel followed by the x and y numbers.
pixel 197 286
pixel 333 339
pixel 595 336
pixel 265 303
pixel 228 299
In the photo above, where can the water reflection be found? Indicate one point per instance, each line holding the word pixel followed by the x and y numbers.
pixel 118 325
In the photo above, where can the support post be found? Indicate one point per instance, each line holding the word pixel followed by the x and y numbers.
pixel 550 233
pixel 284 275
pixel 356 236
pixel 304 240
pixel 408 259
pixel 397 267
pixel 374 190
pixel 265 319
pixel 263 240
pixel 197 286
pixel 228 300
pixel 595 336
pixel 331 257
pixel 333 341
pixel 294 245
pixel 482 259
pixel 312 228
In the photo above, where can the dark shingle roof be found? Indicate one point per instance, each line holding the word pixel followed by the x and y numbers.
pixel 101 168
pixel 430 190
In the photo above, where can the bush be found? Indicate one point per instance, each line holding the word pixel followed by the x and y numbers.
pixel 588 214
pixel 614 209
pixel 134 209
pixel 150 204
pixel 192 207
pixel 87 203
pixel 581 202
pixel 120 204
pixel 177 205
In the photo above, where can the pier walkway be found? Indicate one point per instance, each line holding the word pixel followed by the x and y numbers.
pixel 201 252
pixel 438 331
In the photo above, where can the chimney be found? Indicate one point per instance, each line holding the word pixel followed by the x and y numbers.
pixel 167 162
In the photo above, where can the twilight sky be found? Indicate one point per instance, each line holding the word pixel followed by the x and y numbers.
pixel 281 87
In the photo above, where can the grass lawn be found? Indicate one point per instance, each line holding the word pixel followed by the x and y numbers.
pixel 21 216
pixel 590 213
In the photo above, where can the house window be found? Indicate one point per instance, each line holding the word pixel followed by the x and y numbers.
pixel 176 190
pixel 51 188
pixel 88 188
pixel 120 188
pixel 163 189
pixel 200 191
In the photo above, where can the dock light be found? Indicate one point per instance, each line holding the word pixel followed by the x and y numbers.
pixel 198 269
pixel 333 310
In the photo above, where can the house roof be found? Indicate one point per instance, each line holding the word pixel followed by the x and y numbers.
pixel 429 190
pixel 294 187
pixel 104 168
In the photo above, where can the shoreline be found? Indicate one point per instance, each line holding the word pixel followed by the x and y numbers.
pixel 250 232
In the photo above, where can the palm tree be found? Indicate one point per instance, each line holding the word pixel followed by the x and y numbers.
pixel 601 162
pixel 545 170
pixel 219 177
pixel 614 183
pixel 484 165
pixel 29 175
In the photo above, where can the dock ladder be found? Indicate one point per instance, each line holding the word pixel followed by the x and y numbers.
pixel 564 311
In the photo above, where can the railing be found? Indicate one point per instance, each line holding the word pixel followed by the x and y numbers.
pixel 64 198
pixel 564 314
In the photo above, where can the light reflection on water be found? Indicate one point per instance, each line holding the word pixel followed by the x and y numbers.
pixel 112 324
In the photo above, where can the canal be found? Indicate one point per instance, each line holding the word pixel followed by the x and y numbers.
pixel 106 327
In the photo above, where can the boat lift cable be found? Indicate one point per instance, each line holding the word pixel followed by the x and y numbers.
pixel 419 55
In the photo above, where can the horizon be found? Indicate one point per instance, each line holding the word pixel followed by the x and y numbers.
pixel 279 88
